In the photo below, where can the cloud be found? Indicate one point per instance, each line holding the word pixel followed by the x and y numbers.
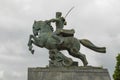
pixel 1 75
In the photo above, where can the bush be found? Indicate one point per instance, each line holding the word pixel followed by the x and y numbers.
pixel 116 75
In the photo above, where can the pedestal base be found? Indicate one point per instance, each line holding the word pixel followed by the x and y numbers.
pixel 68 73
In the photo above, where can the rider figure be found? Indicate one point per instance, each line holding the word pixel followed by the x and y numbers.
pixel 60 22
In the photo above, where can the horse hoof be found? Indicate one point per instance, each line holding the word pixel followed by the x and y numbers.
pixel 32 51
pixel 30 48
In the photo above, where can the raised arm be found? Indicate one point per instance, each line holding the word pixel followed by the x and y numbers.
pixel 54 20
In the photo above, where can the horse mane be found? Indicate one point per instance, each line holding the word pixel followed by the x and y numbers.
pixel 48 23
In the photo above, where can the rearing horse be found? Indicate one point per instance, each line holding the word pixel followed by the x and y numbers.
pixel 42 37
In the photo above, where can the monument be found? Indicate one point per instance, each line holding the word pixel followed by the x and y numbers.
pixel 60 66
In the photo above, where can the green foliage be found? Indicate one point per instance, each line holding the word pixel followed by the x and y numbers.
pixel 116 74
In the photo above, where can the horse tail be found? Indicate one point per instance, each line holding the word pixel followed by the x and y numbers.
pixel 90 45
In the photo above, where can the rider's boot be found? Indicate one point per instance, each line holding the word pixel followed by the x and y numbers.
pixel 61 41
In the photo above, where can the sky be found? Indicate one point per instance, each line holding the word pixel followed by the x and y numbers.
pixel 96 20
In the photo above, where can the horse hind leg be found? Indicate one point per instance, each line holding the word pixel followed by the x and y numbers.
pixel 78 55
pixel 83 58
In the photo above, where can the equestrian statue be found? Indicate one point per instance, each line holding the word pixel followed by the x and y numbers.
pixel 44 36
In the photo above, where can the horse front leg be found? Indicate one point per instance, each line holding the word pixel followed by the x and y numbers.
pixel 30 44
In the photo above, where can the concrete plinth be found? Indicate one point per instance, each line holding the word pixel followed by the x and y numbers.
pixel 68 73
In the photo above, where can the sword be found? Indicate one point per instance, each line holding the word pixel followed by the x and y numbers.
pixel 69 11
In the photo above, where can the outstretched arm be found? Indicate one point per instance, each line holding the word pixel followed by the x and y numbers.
pixel 54 20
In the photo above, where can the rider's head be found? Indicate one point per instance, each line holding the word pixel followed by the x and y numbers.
pixel 58 14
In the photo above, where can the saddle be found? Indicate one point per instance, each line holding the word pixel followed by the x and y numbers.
pixel 67 33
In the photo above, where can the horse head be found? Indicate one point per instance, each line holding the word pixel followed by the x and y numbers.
pixel 41 26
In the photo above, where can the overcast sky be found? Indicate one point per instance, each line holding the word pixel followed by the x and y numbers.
pixel 96 20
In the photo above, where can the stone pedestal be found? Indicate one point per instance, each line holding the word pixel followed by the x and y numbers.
pixel 68 73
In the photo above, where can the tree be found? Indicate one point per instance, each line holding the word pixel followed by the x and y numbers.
pixel 116 74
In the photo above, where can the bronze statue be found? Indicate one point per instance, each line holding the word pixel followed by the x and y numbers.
pixel 61 39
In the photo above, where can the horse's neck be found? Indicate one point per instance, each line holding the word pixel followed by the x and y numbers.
pixel 46 29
